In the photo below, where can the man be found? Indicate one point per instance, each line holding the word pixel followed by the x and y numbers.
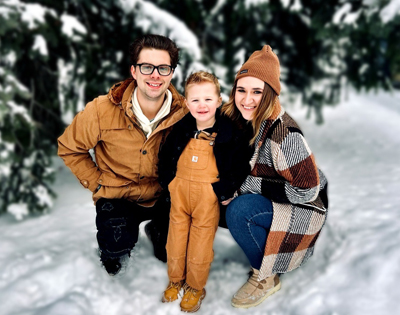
pixel 126 129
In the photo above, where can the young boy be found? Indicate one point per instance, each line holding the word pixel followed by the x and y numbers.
pixel 203 162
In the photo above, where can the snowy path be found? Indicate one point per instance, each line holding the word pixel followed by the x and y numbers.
pixel 49 264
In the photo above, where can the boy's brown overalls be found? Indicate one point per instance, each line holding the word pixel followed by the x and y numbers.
pixel 194 213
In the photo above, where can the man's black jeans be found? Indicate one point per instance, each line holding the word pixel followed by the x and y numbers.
pixel 118 223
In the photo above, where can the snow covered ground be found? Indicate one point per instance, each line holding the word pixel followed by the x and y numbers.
pixel 49 264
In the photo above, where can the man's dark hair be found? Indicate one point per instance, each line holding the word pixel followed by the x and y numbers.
pixel 155 42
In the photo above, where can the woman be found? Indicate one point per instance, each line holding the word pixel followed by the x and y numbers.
pixel 281 206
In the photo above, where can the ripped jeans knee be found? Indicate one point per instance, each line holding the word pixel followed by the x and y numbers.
pixel 115 236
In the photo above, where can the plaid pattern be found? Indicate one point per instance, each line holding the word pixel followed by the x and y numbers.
pixel 284 171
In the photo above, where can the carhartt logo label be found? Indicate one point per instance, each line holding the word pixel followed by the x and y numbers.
pixel 195 158
pixel 244 71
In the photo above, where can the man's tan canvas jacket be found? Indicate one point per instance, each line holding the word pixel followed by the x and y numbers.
pixel 126 161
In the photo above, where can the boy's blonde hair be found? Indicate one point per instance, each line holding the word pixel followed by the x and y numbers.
pixel 202 77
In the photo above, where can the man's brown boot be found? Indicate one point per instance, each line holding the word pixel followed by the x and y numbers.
pixel 192 298
pixel 253 292
pixel 172 291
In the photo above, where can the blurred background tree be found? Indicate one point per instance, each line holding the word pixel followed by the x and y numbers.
pixel 57 55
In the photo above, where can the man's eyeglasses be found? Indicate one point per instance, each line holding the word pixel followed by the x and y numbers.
pixel 147 68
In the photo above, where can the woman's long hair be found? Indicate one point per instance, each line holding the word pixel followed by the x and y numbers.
pixel 262 112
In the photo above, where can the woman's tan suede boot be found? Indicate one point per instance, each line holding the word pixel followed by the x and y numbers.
pixel 172 291
pixel 253 292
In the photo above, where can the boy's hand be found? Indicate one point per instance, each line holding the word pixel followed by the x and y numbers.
pixel 226 202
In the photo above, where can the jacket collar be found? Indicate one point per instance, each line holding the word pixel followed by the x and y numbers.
pixel 223 126
pixel 120 94
pixel 116 93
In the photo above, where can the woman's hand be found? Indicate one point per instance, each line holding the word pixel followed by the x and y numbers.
pixel 226 202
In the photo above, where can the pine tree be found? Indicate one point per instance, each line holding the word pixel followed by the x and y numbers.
pixel 30 115
pixel 55 56
pixel 319 52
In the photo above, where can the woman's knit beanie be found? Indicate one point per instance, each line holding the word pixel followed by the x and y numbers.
pixel 264 65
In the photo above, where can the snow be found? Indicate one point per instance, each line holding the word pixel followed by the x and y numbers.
pixel 217 7
pixel 147 17
pixel 387 13
pixel 10 79
pixel 240 58
pixel 19 110
pixel 43 196
pixel 296 6
pixel 344 15
pixel 4 11
pixel 363 69
pixel 70 25
pixel 31 14
pixel 18 210
pixel 390 11
pixel 50 264
pixel 40 45
pixel 249 3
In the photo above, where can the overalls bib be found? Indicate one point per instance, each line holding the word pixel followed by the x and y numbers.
pixel 194 213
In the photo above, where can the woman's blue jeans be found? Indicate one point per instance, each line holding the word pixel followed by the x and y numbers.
pixel 249 219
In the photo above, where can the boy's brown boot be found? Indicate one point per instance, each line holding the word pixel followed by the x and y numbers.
pixel 172 291
pixel 192 298
pixel 253 292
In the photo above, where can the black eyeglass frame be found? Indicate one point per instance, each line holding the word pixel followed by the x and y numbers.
pixel 155 67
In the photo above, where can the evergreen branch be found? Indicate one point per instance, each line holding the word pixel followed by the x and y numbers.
pixel 31 106
pixel 49 112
